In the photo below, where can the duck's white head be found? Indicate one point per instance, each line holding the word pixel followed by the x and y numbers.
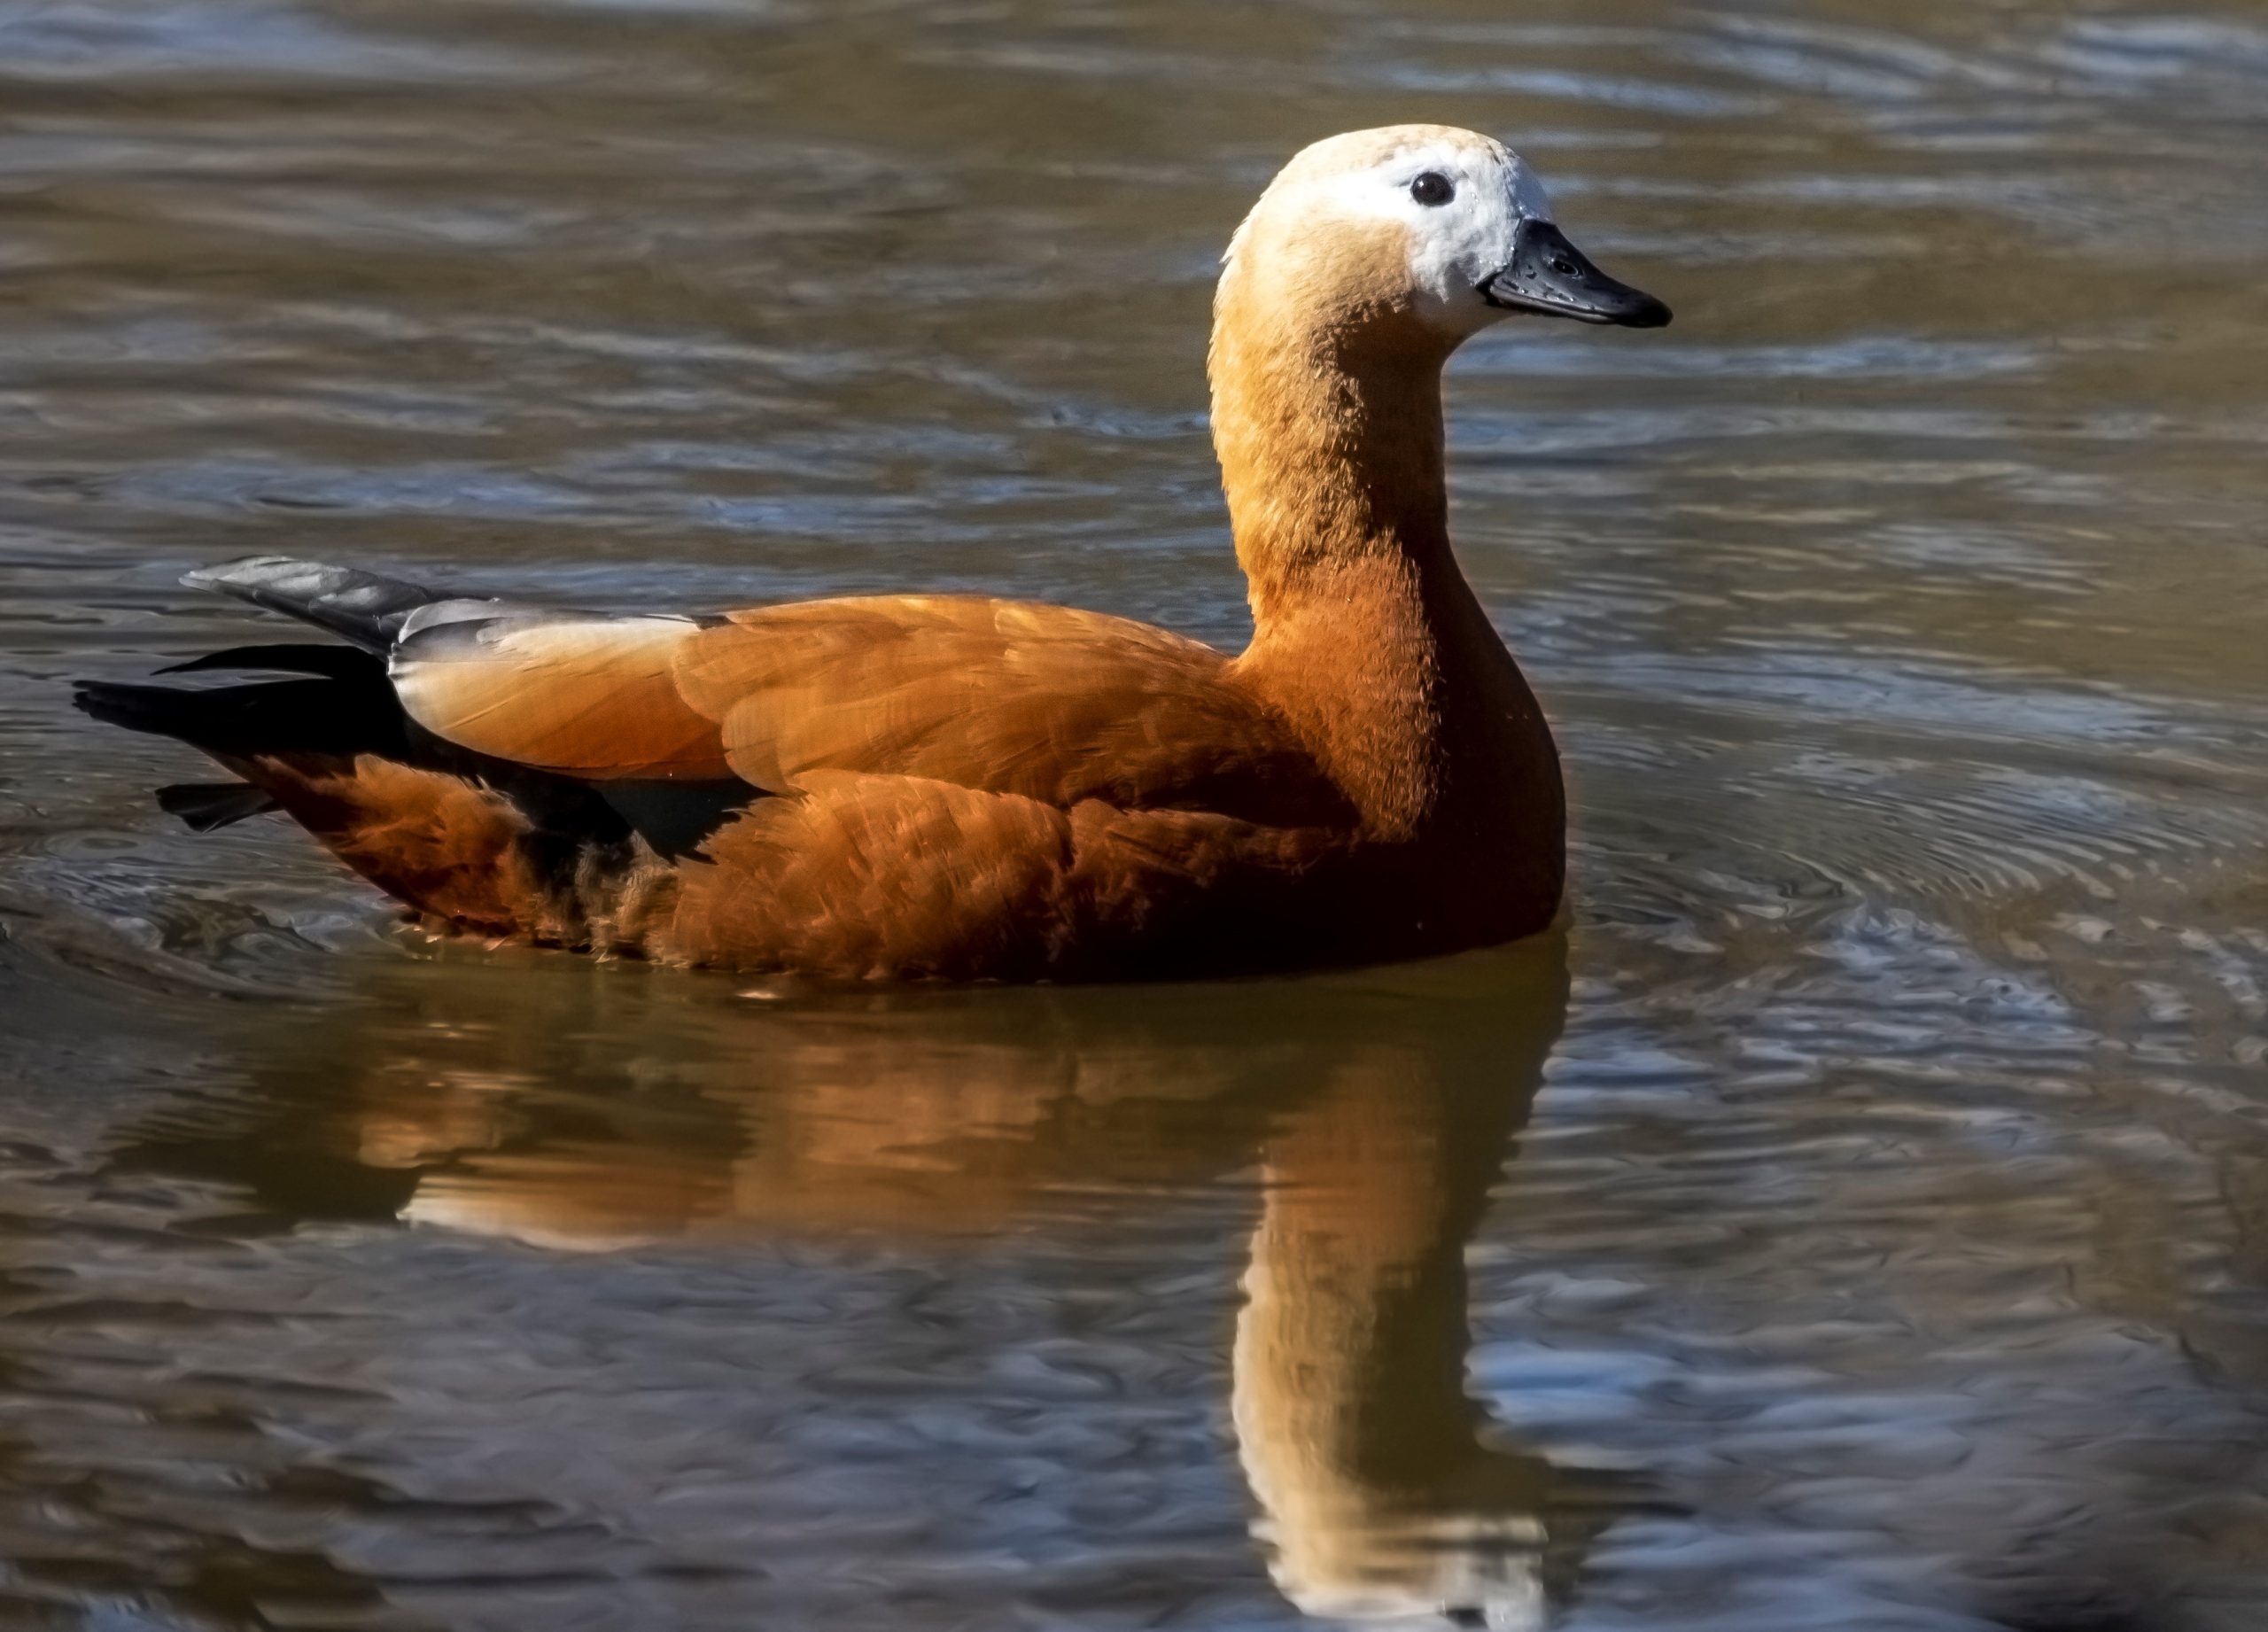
pixel 1425 222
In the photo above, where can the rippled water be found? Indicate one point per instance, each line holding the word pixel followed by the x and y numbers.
pixel 1858 1221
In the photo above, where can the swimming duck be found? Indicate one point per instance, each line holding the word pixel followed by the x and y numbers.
pixel 955 787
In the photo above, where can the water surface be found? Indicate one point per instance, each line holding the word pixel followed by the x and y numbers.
pixel 1858 1220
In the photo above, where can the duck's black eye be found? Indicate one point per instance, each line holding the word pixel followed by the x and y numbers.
pixel 1431 188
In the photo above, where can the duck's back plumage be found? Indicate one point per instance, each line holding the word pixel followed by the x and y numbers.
pixel 997 696
pixel 917 785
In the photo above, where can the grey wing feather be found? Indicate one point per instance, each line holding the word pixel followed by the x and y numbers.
pixel 362 607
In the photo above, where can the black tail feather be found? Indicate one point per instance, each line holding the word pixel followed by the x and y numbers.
pixel 339 704
pixel 344 663
pixel 333 716
pixel 204 806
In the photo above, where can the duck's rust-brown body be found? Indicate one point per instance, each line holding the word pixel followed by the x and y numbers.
pixel 961 788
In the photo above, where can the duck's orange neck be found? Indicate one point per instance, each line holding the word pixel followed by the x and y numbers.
pixel 1329 459
pixel 1365 634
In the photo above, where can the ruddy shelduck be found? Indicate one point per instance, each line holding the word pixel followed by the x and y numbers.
pixel 954 786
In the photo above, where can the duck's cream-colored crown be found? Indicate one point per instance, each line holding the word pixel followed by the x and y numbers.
pixel 1360 150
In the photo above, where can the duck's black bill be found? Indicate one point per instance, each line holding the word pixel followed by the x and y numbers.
pixel 1550 274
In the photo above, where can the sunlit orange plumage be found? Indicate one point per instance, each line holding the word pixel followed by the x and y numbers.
pixel 967 788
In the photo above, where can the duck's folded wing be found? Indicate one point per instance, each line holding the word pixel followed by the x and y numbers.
pixel 1004 697
pixel 586 695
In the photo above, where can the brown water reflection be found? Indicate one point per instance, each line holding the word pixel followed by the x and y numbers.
pixel 1379 1118
pixel 1366 1118
pixel 1890 1207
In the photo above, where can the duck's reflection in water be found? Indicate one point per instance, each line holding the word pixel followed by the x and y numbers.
pixel 1388 1492
pixel 1377 1111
